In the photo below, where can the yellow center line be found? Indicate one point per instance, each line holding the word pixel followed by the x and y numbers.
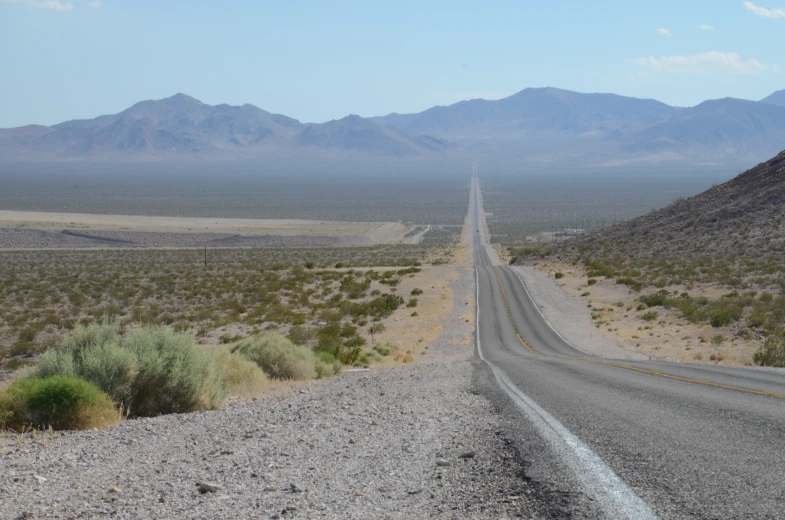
pixel 623 365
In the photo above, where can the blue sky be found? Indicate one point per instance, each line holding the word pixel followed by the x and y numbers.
pixel 319 60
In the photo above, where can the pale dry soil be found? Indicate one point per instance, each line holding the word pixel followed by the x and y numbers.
pixel 414 441
pixel 43 229
pixel 606 321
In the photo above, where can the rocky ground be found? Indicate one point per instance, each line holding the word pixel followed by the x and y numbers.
pixel 416 441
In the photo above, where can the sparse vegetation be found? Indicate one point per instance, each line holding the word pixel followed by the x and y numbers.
pixel 47 293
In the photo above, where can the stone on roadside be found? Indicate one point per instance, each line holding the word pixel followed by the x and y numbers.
pixel 206 488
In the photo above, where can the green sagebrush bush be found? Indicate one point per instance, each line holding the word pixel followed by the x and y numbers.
pixel 650 316
pixel 385 348
pixel 172 375
pixel 93 352
pixel 152 371
pixel 280 358
pixel 60 402
pixel 772 352
pixel 242 377
pixel 654 300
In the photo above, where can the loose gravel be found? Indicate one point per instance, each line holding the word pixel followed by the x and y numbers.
pixel 416 441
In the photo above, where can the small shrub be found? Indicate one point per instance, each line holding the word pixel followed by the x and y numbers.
pixel 59 402
pixel 92 352
pixel 412 303
pixel 326 365
pixel 376 328
pixel 241 376
pixel 278 356
pixel 634 284
pixel 719 339
pixel 650 316
pixel 758 318
pixel 720 318
pixel 173 375
pixel 416 291
pixel 385 348
pixel 226 339
pixel 772 352
pixel 653 300
pixel 559 275
pixel 591 281
pixel 299 335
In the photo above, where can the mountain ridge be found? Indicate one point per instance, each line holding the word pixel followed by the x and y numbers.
pixel 535 126
pixel 777 98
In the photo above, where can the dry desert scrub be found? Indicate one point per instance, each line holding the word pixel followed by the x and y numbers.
pixel 44 294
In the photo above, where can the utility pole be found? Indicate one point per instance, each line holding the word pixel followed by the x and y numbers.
pixel 205 257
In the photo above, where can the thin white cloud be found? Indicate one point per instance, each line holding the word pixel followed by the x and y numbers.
pixel 52 5
pixel 639 76
pixel 455 96
pixel 663 31
pixel 706 27
pixel 714 62
pixel 764 12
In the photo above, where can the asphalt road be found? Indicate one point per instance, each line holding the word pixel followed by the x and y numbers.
pixel 628 439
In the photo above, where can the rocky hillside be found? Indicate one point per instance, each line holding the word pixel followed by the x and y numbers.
pixel 744 216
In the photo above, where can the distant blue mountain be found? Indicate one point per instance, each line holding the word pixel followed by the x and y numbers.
pixel 778 98
pixel 536 125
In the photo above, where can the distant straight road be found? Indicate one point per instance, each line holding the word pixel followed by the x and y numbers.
pixel 635 439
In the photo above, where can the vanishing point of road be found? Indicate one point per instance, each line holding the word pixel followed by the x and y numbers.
pixel 627 439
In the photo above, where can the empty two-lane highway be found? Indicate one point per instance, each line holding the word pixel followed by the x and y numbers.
pixel 638 439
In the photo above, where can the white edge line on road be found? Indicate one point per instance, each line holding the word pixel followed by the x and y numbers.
pixel 614 497
pixel 534 304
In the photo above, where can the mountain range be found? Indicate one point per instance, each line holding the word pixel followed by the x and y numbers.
pixel 535 126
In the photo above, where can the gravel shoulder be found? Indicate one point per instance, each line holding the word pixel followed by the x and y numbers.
pixel 570 316
pixel 416 441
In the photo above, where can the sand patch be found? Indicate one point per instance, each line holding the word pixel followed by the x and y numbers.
pixel 413 333
pixel 378 231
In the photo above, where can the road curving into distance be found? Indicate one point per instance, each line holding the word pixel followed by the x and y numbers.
pixel 632 439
